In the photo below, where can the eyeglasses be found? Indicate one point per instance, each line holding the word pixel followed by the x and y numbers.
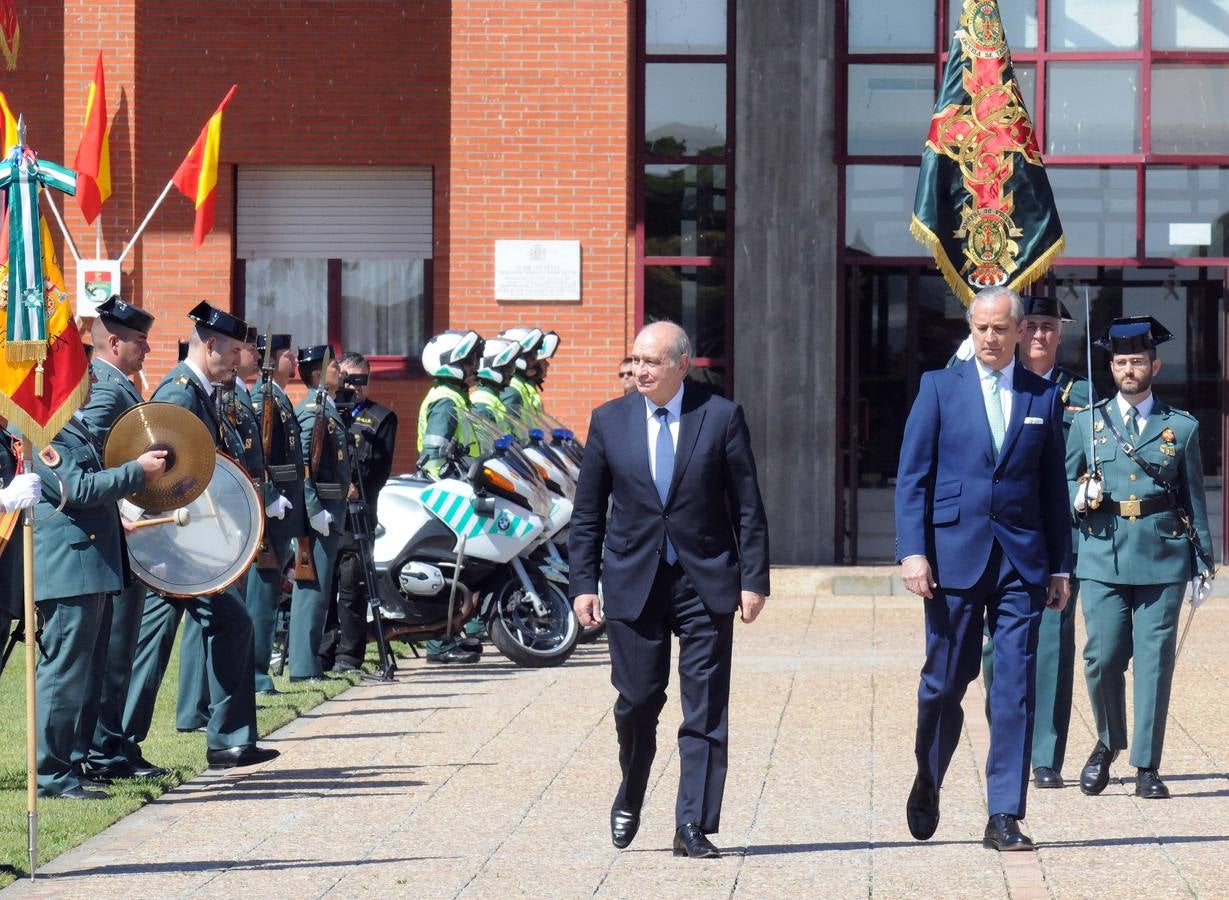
pixel 1132 363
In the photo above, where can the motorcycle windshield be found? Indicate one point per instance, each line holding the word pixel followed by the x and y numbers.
pixel 491 439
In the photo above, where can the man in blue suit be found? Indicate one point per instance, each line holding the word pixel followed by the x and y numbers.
pixel 983 534
pixel 686 546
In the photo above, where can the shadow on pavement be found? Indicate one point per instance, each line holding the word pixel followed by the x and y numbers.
pixel 230 865
pixel 1142 839
pixel 841 846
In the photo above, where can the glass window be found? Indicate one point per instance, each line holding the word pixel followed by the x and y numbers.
pixel 289 295
pixel 1190 109
pixel 1094 24
pixel 382 303
pixel 1190 24
pixel 878 209
pixel 685 26
pixel 684 210
pixel 891 25
pixel 889 108
pixel 692 296
pixel 1093 108
pixel 1097 207
pixel 1019 22
pixel 684 109
pixel 1026 78
pixel 1187 211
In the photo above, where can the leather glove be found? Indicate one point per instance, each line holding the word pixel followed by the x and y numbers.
pixel 1201 588
pixel 321 521
pixel 278 508
pixel 1088 495
pixel 21 493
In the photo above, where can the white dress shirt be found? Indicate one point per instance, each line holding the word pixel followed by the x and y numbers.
pixel 201 377
pixel 1143 406
pixel 674 410
pixel 1006 380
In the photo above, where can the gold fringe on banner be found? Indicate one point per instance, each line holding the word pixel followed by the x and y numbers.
pixel 10 49
pixel 41 435
pixel 25 351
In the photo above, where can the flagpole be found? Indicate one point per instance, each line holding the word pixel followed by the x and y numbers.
pixel 27 525
pixel 68 238
pixel 98 238
pixel 140 228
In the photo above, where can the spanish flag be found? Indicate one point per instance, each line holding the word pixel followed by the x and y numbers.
pixel 984 207
pixel 197 175
pixel 93 162
pixel 10 32
pixel 9 125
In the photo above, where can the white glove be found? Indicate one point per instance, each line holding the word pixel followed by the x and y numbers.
pixel 966 350
pixel 1089 494
pixel 278 508
pixel 21 493
pixel 1201 588
pixel 321 521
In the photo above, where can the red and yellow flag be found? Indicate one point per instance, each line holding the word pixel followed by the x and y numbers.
pixel 9 125
pixel 10 32
pixel 93 161
pixel 197 175
pixel 37 410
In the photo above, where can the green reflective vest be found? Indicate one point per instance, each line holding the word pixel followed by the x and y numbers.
pixel 433 442
pixel 486 401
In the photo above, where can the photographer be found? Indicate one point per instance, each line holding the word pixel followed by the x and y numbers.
pixel 373 431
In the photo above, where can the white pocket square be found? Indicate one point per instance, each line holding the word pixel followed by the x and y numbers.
pixel 1034 420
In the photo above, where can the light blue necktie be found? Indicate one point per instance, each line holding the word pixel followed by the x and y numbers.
pixel 994 412
pixel 663 472
pixel 1132 418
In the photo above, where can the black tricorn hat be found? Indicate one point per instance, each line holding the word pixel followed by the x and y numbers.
pixel 183 350
pixel 252 335
pixel 280 342
pixel 116 311
pixel 309 356
pixel 1046 306
pixel 1134 334
pixel 208 316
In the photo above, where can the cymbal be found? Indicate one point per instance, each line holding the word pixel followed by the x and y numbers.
pixel 190 452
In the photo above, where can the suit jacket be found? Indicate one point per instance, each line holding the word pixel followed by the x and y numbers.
pixel 111 395
pixel 1152 549
pixel 713 512
pixel 954 498
pixel 80 551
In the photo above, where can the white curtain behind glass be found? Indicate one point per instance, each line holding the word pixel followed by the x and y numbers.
pixel 381 303
pixel 289 295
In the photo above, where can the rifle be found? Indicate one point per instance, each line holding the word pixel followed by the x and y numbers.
pixel 267 559
pixel 304 568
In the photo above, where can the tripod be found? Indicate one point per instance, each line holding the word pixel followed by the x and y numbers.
pixel 363 537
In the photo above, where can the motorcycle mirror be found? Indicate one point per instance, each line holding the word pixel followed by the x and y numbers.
pixel 484 505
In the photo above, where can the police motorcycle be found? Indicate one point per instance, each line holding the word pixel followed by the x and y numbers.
pixel 453 548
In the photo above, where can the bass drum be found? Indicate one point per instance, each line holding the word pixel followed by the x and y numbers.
pixel 211 549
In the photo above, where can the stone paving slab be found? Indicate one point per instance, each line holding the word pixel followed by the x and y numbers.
pixel 494 781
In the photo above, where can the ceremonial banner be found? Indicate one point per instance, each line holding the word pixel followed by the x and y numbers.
pixel 10 32
pixel 9 138
pixel 984 207
pixel 197 175
pixel 93 161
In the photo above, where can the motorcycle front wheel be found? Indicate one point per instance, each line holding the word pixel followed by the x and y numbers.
pixel 525 637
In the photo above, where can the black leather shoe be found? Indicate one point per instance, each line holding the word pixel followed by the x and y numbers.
pixel 457 656
pixel 200 728
pixel 624 823
pixel 922 810
pixel 271 692
pixel 106 774
pixel 690 841
pixel 1003 833
pixel 1096 774
pixel 1148 785
pixel 143 768
pixel 248 755
pixel 1045 777
pixel 92 784
pixel 78 793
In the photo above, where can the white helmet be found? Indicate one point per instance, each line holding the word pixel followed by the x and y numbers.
pixel 528 338
pixel 550 343
pixel 496 354
pixel 444 353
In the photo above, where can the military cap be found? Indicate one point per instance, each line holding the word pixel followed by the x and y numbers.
pixel 1134 334
pixel 208 316
pixel 183 350
pixel 252 335
pixel 310 361
pixel 115 311
pixel 280 342
pixel 1046 306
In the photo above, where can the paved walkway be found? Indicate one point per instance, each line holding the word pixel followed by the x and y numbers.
pixel 495 781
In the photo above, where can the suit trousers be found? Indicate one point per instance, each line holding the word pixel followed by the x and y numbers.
pixel 954 620
pixel 63 686
pixel 346 638
pixel 640 672
pixel 1126 621
pixel 107 745
pixel 263 595
pixel 309 605
pixel 1054 685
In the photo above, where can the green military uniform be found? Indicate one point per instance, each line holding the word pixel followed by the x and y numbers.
pixel 226 628
pixel 521 394
pixel 485 401
pixel 286 473
pixel 12 583
pixel 192 704
pixel 440 421
pixel 1134 562
pixel 1055 676
pixel 78 561
pixel 325 489
pixel 111 395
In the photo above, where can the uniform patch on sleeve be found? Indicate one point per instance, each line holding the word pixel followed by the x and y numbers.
pixel 49 456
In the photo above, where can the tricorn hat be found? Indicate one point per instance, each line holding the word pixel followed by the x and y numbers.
pixel 115 310
pixel 208 316
pixel 1046 306
pixel 1134 334
pixel 280 342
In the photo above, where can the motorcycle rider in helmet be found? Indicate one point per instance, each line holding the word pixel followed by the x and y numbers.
pixel 495 369
pixel 546 352
pixel 521 394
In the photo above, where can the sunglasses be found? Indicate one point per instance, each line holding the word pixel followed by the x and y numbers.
pixel 625 374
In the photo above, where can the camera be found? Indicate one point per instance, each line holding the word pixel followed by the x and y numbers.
pixel 346 398
pixel 355 379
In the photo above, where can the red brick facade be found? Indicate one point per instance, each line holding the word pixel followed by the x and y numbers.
pixel 521 108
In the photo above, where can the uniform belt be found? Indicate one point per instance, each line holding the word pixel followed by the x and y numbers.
pixel 284 473
pixel 1133 509
pixel 328 491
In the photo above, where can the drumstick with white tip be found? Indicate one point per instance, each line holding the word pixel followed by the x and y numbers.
pixel 180 517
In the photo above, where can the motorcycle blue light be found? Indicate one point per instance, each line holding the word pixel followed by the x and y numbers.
pixel 503 443
pixel 560 434
pixel 535 434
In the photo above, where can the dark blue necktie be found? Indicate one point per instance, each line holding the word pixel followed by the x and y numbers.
pixel 663 473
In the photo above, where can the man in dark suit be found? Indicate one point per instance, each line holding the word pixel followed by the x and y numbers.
pixel 686 545
pixel 982 533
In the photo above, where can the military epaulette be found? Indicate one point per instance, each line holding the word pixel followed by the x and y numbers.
pixel 182 379
pixel 1183 413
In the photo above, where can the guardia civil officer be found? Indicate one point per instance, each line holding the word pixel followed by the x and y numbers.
pixel 324 498
pixel 1043 334
pixel 1143 534
pixel 226 628
pixel 547 348
pixel 373 435
pixel 495 369
pixel 522 392
pixel 78 561
pixel 284 464
pixel 17 492
pixel 120 335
